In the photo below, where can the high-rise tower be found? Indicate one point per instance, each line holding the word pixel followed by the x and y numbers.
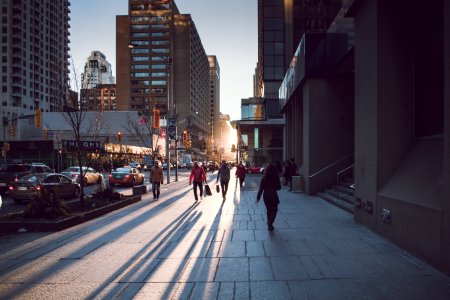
pixel 34 50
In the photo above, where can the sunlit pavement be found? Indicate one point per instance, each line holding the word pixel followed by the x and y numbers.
pixel 175 248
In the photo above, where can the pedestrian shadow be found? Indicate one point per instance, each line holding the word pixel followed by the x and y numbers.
pixel 27 257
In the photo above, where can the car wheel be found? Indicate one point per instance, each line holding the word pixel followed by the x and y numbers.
pixel 76 193
pixel 111 184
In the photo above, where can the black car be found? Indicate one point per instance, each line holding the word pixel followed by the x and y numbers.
pixel 37 186
pixel 13 172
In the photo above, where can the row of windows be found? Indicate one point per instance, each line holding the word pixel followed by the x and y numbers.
pixel 148 34
pixel 147 26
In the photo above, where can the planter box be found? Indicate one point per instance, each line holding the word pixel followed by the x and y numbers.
pixel 44 225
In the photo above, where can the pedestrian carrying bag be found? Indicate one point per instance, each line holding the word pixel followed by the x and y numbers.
pixel 208 190
pixel 217 188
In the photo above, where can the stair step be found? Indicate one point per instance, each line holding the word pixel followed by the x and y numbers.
pixel 336 201
pixel 344 189
pixel 350 199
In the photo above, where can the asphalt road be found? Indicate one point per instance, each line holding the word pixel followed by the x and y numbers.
pixel 9 206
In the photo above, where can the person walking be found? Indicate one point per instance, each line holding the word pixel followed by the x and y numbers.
pixel 287 172
pixel 240 173
pixel 156 178
pixel 197 176
pixel 224 175
pixel 270 184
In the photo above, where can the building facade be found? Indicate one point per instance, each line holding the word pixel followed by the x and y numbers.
pixel 370 97
pixel 162 65
pixel 144 41
pixel 100 98
pixel 215 115
pixel 34 54
pixel 97 70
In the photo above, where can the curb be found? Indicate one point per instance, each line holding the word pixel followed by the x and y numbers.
pixel 53 226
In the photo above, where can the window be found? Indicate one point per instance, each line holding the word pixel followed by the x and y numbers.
pixel 256 138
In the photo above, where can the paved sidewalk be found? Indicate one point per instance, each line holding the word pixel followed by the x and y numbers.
pixel 216 250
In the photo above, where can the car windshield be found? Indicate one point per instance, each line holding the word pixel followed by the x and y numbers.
pixel 123 170
pixel 33 177
pixel 18 168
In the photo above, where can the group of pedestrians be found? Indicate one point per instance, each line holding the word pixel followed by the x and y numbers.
pixel 269 185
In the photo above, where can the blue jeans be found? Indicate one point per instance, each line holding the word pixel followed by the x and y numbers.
pixel 155 188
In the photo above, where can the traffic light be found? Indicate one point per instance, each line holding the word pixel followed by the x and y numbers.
pixel 38 118
pixel 233 148
pixel 12 131
pixel 46 133
pixel 185 137
pixel 156 118
pixel 119 136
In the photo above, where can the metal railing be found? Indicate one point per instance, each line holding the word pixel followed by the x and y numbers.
pixel 343 171
pixel 330 165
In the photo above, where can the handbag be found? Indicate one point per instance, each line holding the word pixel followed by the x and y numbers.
pixel 217 188
pixel 208 190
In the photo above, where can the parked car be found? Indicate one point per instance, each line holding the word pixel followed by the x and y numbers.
pixel 255 169
pixel 126 176
pixel 50 185
pixel 14 172
pixel 91 176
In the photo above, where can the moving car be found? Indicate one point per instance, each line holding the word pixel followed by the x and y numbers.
pixel 37 186
pixel 91 176
pixel 13 172
pixel 126 176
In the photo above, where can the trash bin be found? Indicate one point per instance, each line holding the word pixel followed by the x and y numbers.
pixel 297 184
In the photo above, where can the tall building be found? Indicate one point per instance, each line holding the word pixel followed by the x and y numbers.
pixel 144 40
pixel 34 53
pixel 100 98
pixel 191 80
pixel 97 70
pixel 98 85
pixel 215 116
pixel 161 64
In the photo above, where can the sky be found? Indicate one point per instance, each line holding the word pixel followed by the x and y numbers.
pixel 227 29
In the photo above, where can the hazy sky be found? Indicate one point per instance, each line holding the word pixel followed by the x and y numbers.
pixel 227 28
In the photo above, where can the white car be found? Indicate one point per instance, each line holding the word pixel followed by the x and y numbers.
pixel 90 175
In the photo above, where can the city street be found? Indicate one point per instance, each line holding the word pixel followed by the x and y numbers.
pixel 9 206
pixel 175 248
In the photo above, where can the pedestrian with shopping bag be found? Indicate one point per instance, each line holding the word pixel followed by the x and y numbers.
pixel 270 184
pixel 224 176
pixel 197 177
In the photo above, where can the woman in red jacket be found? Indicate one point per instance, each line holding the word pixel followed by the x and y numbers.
pixel 198 176
pixel 240 173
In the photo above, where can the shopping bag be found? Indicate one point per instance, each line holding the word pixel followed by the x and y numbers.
pixel 217 188
pixel 208 190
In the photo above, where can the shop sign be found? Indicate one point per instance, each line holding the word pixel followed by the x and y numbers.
pixel 84 145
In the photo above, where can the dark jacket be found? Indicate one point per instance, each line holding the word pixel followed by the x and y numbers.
pixel 268 188
pixel 223 174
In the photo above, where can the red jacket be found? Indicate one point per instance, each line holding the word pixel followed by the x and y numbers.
pixel 197 174
pixel 240 171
